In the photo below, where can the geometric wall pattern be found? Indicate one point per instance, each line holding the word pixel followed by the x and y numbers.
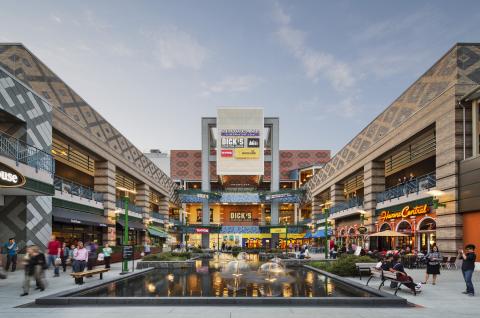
pixel 27 218
pixel 460 65
pixel 187 164
pixel 34 73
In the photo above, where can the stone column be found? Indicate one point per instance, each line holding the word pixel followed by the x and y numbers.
pixel 104 182
pixel 163 207
pixel 337 195
pixel 449 150
pixel 373 183
pixel 316 210
pixel 143 202
pixel 296 217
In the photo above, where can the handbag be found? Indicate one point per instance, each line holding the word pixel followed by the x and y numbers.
pixel 100 257
pixel 58 261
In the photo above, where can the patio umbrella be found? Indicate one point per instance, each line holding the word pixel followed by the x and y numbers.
pixel 389 233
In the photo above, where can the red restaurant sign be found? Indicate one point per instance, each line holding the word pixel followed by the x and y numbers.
pixel 201 230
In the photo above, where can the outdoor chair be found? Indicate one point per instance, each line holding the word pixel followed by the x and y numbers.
pixel 444 262
pixel 451 263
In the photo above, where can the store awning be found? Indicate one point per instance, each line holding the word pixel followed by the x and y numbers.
pixel 308 235
pixel 319 234
pixel 133 225
pixel 63 215
pixel 158 232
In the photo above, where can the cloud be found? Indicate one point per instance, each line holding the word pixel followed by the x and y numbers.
pixel 174 48
pixel 317 110
pixel 232 84
pixel 56 19
pixel 120 49
pixel 95 22
pixel 316 63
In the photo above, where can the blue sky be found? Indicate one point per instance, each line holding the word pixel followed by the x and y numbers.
pixel 154 68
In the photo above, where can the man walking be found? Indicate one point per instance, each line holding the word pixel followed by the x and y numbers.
pixel 11 249
pixel 54 247
pixel 468 266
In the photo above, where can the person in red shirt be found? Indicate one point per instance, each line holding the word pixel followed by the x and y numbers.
pixel 54 247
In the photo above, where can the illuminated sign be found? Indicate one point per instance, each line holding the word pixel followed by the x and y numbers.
pixel 10 178
pixel 240 141
pixel 247 153
pixel 404 213
pixel 278 230
pixel 201 230
pixel 241 216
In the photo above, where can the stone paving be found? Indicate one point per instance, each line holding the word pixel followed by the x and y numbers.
pixel 443 300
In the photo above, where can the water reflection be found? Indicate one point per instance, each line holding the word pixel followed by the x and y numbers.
pixel 226 276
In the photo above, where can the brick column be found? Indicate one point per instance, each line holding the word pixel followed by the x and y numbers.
pixel 316 209
pixel 104 182
pixel 337 194
pixel 163 207
pixel 373 183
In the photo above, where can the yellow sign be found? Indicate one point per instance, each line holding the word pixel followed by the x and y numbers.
pixel 256 236
pixel 404 213
pixel 278 230
pixel 247 153
pixel 292 236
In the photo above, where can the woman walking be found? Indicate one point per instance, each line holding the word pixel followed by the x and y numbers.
pixel 433 265
pixel 64 255
pixel 107 255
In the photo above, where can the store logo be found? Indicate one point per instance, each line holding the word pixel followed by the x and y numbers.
pixel 10 177
pixel 201 230
pixel 226 153
pixel 233 142
pixel 240 216
pixel 404 213
pixel 253 142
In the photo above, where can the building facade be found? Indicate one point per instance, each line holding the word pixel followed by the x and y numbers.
pixel 403 172
pixel 81 195
pixel 255 204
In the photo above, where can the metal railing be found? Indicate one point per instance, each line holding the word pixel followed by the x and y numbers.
pixel 27 154
pixel 416 185
pixel 351 203
pixel 159 216
pixel 76 189
pixel 131 207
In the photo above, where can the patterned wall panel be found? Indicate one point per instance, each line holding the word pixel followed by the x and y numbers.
pixel 459 65
pixel 27 218
pixel 187 164
pixel 27 67
pixel 297 159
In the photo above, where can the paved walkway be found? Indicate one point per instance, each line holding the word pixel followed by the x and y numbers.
pixel 443 300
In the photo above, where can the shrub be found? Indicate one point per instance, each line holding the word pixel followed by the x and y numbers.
pixel 167 256
pixel 236 250
pixel 344 265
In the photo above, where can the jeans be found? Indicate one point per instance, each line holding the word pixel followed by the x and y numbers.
pixel 78 267
pixel 107 261
pixel 51 261
pixel 11 259
pixel 37 275
pixel 467 275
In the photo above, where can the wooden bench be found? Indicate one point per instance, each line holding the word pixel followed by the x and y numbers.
pixel 99 271
pixel 364 267
pixel 386 276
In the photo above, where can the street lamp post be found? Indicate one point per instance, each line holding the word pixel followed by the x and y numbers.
pixel 326 213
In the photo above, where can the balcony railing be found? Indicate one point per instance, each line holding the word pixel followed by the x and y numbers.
pixel 416 185
pixel 351 203
pixel 131 206
pixel 27 154
pixel 76 189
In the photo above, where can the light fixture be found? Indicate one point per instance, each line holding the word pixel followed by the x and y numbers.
pixel 436 193
pixel 436 202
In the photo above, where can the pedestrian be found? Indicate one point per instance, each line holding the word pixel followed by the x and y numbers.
pixel 107 255
pixel 64 255
pixel 80 257
pixel 146 248
pixel 35 264
pixel 92 254
pixel 433 265
pixel 11 250
pixel 468 266
pixel 54 250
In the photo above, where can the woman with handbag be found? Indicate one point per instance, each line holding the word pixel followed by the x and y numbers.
pixel 433 265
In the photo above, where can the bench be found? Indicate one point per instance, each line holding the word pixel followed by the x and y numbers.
pixel 364 267
pixel 384 276
pixel 99 271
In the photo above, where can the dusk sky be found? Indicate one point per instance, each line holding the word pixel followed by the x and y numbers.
pixel 154 68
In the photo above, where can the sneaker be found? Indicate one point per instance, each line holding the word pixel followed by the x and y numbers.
pixel 24 294
pixel 471 294
pixel 465 293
